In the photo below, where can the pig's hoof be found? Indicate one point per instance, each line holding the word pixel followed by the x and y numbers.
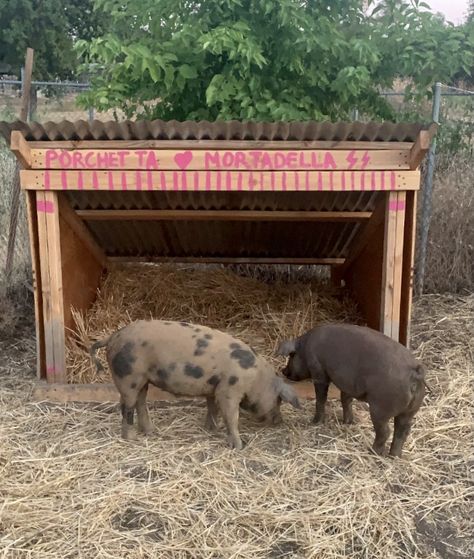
pixel 379 450
pixel 210 426
pixel 317 420
pixel 236 445
pixel 349 421
pixel 129 435
pixel 147 429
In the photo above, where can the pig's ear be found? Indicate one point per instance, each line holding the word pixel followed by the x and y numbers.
pixel 286 348
pixel 287 394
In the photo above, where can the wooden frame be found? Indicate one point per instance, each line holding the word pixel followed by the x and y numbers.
pixel 68 262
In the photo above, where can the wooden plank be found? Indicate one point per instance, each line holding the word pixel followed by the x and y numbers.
pixel 81 268
pixel 219 215
pixel 81 231
pixel 51 284
pixel 62 393
pixel 218 144
pixel 408 267
pixel 21 149
pixel 26 86
pixel 228 260
pixel 363 237
pixel 258 181
pixel 392 266
pixel 212 160
pixel 419 149
pixel 36 277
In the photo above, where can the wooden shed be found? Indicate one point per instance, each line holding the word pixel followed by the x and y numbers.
pixel 335 194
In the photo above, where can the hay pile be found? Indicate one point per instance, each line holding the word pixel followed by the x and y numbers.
pixel 258 307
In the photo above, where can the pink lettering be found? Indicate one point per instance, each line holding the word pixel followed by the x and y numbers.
pixel 303 163
pixel 255 157
pixel 211 160
pixel 122 155
pixel 102 160
pixel 77 160
pixel 88 160
pixel 51 155
pixel 227 160
pixel 240 160
pixel 279 160
pixel 365 160
pixel 113 159
pixel 151 162
pixel 141 153
pixel 315 162
pixel 329 162
pixel 65 160
pixel 291 160
pixel 266 161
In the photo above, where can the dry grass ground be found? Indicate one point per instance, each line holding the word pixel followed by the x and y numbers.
pixel 69 487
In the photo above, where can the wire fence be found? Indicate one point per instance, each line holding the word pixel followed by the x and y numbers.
pixel 452 107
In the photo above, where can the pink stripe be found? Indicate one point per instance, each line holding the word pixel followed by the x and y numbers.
pixel 261 181
pixel 306 180
pixel 63 179
pixel 139 180
pixel 297 181
pixel 162 180
pixel 46 207
pixel 228 182
pixel 123 179
pixel 331 181
pixel 219 181
pixel 272 179
pixel 184 181
pixel 343 180
pixel 362 181
pixel 372 180
pixel 396 205
pixel 196 180
pixel 208 180
pixel 383 180
pixel 95 181
pixel 320 181
pixel 47 184
pixel 283 179
pixel 111 180
pixel 50 369
pixel 149 180
pixel 352 180
pixel 392 180
pixel 80 181
pixel 175 181
pixel 239 181
pixel 250 181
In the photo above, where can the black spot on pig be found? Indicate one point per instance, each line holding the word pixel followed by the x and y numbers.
pixel 200 345
pixel 233 379
pixel 197 329
pixel 162 374
pixel 208 336
pixel 171 367
pixel 185 324
pixel 144 344
pixel 214 380
pixel 167 323
pixel 152 368
pixel 245 357
pixel 123 360
pixel 133 385
pixel 193 370
pixel 234 345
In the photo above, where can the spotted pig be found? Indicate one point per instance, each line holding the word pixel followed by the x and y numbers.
pixel 366 365
pixel 192 360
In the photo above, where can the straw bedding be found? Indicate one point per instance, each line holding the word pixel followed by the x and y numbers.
pixel 69 487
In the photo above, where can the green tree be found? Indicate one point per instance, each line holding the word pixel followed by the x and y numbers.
pixel 266 59
pixel 50 27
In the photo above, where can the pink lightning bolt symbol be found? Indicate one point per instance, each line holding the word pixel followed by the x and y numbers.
pixel 351 159
pixel 365 160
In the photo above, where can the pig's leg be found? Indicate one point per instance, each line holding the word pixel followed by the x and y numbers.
pixel 211 418
pixel 382 430
pixel 403 423
pixel 229 406
pixel 346 401
pixel 321 390
pixel 127 404
pixel 144 423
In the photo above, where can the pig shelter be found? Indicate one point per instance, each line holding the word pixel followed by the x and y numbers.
pixel 336 194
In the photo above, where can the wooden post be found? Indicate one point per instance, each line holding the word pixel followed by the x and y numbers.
pixel 51 285
pixel 408 267
pixel 392 264
pixel 26 85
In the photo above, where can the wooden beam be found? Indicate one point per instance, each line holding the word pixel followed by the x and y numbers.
pixel 218 144
pixel 82 232
pixel 225 160
pixel 21 149
pixel 62 393
pixel 361 240
pixel 36 277
pixel 51 285
pixel 392 265
pixel 408 267
pixel 226 181
pixel 419 149
pixel 229 260
pixel 219 215
pixel 26 85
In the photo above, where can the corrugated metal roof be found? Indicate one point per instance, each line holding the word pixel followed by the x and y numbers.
pixel 219 130
pixel 231 239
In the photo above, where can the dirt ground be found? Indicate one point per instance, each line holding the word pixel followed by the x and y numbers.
pixel 69 487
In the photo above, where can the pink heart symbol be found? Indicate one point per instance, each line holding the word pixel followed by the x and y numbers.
pixel 183 159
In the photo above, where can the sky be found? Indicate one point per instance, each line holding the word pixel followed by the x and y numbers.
pixel 453 10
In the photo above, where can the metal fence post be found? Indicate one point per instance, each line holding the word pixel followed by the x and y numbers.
pixel 91 114
pixel 427 194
